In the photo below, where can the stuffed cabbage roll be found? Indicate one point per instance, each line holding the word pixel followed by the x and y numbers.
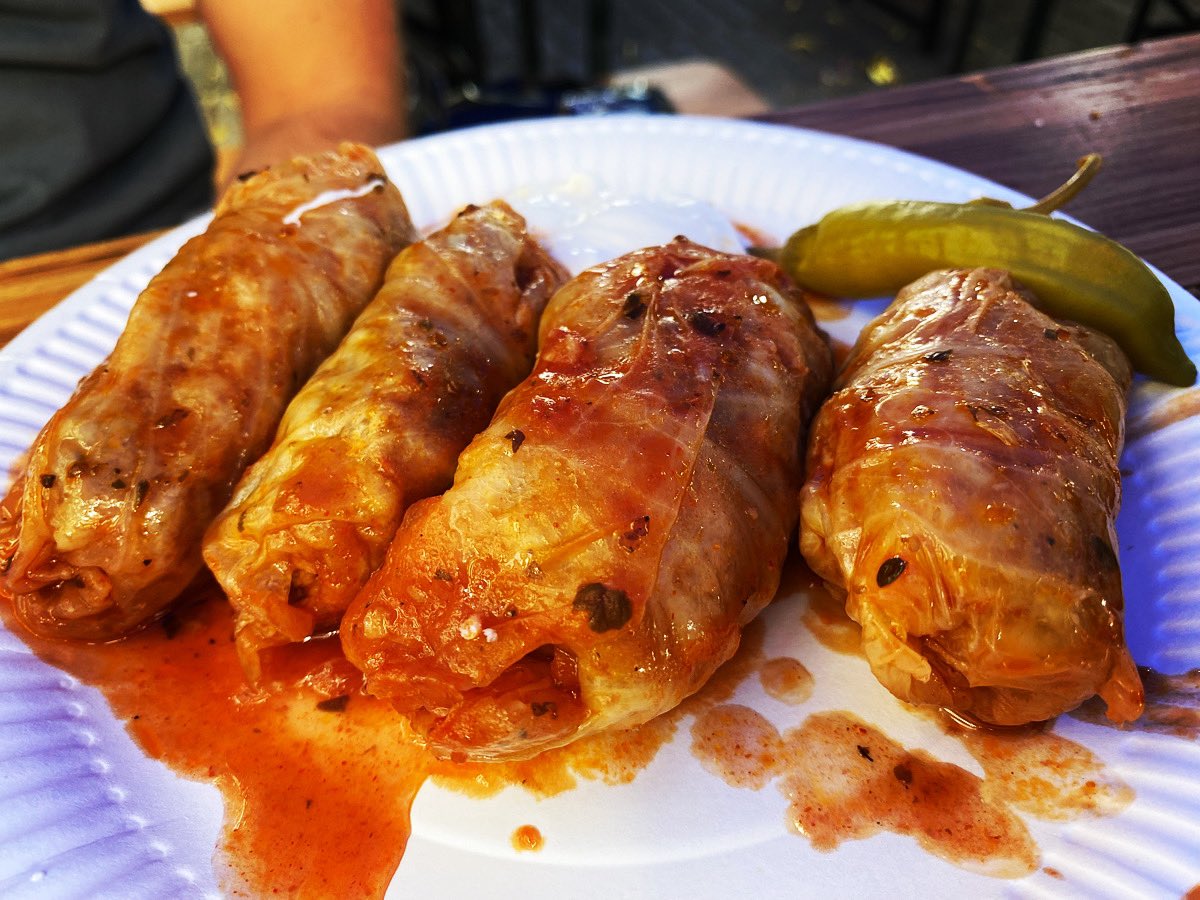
pixel 102 530
pixel 624 515
pixel 380 425
pixel 961 493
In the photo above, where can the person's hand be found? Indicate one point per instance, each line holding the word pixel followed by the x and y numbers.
pixel 310 74
pixel 312 131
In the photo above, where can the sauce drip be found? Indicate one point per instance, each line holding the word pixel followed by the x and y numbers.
pixel 786 679
pixel 310 766
pixel 611 758
pixel 317 778
pixel 1172 706
pixel 738 745
pixel 1046 775
pixel 527 839
pixel 846 780
pixel 824 615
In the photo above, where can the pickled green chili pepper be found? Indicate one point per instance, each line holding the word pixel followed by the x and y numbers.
pixel 873 249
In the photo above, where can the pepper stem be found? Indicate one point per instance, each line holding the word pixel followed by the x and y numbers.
pixel 1085 170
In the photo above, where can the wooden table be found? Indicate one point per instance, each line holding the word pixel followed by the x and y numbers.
pixel 1023 126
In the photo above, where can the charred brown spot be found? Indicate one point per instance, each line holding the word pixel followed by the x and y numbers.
pixel 510 613
pixel 119 484
pixel 146 562
pixel 938 356
pixel 143 488
pixel 1051 333
pixel 638 529
pixel 722 273
pixel 516 437
pixel 904 774
pixel 442 575
pixel 47 480
pixel 607 608
pixel 890 570
pixel 241 522
pixel 707 324
pixel 174 417
pixel 334 704
pixel 541 709
pixel 634 305
pixel 865 753
pixel 248 174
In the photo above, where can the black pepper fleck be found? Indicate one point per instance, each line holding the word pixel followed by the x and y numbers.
pixel 865 753
pixel 48 480
pixel 707 324
pixel 516 437
pixel 334 704
pixel 938 356
pixel 890 570
pixel 171 625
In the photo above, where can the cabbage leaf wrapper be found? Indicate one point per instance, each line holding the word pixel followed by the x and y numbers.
pixel 623 517
pixel 961 496
pixel 102 530
pixel 380 425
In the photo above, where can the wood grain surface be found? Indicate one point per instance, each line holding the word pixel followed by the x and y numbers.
pixel 1023 126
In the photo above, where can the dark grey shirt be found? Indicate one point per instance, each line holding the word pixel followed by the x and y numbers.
pixel 99 133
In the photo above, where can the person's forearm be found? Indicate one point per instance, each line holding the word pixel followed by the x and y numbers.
pixel 310 73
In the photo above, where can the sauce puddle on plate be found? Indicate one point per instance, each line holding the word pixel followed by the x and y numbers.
pixel 845 779
pixel 318 778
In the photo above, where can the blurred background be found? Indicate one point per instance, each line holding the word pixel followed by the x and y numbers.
pixel 484 60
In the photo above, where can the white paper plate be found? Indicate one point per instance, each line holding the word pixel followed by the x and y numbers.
pixel 84 814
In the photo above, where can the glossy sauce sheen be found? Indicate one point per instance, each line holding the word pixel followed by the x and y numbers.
pixel 313 766
pixel 527 838
pixel 315 769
